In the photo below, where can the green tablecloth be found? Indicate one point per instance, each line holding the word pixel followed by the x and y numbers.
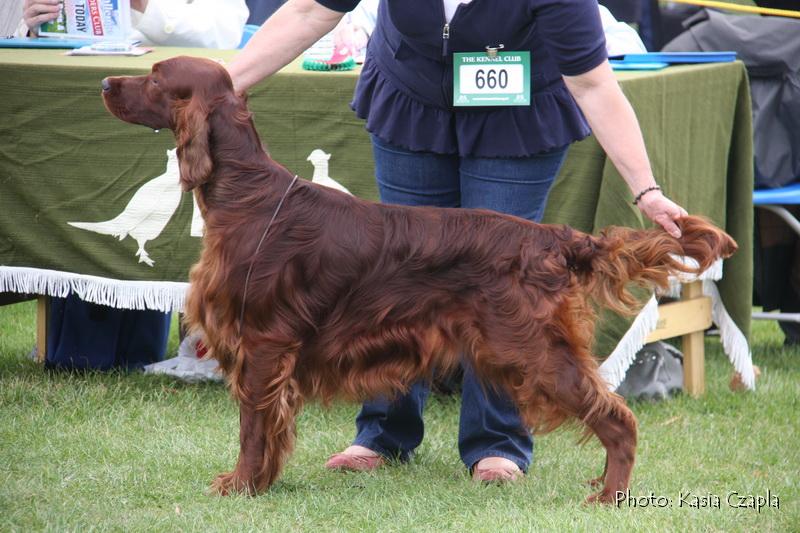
pixel 64 158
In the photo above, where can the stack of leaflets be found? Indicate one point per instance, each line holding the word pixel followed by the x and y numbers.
pixel 101 20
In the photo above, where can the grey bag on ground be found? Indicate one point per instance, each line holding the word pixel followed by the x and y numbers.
pixel 655 374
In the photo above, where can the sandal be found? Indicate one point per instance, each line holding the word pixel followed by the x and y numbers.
pixel 496 470
pixel 355 461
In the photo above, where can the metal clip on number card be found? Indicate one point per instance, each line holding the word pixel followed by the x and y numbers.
pixel 492 78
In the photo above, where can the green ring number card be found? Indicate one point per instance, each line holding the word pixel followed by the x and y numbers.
pixel 500 80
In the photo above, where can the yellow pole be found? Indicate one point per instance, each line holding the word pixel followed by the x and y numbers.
pixel 744 9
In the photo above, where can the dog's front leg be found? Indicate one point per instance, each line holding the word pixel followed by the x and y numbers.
pixel 268 405
pixel 246 476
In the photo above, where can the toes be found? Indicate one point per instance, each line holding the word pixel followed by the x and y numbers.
pixel 603 497
pixel 596 482
pixel 222 484
pixel 230 483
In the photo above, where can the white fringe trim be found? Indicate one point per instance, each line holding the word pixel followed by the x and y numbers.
pixel 615 367
pixel 714 272
pixel 733 341
pixel 165 296
pixel 734 344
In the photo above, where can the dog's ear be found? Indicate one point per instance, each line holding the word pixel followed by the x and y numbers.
pixel 192 133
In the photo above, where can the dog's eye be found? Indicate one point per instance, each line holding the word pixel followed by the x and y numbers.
pixel 154 81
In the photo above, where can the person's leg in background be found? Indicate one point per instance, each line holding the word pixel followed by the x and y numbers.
pixel 777 269
pixel 490 426
pixel 393 429
pixel 791 330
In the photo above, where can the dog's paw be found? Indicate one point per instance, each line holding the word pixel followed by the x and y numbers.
pixel 605 497
pixel 596 482
pixel 230 483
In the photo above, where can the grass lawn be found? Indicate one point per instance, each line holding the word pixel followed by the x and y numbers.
pixel 132 452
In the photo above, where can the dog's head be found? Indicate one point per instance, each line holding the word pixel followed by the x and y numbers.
pixel 180 94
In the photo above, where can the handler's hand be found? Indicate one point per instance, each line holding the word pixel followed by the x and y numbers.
pixel 37 12
pixel 662 211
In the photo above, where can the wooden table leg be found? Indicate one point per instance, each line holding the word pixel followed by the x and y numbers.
pixel 42 312
pixel 694 372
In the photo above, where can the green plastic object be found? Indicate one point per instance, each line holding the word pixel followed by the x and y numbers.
pixel 316 64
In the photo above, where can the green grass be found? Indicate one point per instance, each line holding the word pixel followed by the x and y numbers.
pixel 132 452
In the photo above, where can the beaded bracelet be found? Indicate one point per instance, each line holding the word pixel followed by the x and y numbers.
pixel 645 191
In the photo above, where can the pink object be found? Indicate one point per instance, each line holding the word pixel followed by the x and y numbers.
pixel 200 349
pixel 354 463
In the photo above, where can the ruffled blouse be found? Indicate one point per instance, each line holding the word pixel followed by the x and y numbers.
pixel 553 120
pixel 405 90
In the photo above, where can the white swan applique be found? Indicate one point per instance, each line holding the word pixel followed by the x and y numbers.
pixel 320 159
pixel 155 202
pixel 148 211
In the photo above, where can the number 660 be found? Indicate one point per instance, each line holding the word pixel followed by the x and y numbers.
pixel 491 78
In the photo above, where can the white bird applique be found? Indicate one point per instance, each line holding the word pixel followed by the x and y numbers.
pixel 198 224
pixel 320 159
pixel 147 212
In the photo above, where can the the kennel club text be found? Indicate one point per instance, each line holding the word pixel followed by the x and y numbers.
pixel 690 500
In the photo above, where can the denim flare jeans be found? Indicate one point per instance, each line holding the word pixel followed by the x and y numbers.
pixel 490 425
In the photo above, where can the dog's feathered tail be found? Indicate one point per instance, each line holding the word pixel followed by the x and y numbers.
pixel 620 257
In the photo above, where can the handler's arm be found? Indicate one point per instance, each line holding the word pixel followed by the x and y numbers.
pixel 285 35
pixel 616 128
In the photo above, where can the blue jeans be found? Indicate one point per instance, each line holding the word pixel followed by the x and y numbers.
pixel 490 425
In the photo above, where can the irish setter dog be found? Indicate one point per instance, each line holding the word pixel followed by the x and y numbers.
pixel 354 299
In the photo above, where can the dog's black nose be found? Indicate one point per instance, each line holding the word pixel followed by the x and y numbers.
pixel 106 85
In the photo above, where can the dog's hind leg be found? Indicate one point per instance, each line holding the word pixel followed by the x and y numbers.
pixel 616 430
pixel 578 390
pixel 268 405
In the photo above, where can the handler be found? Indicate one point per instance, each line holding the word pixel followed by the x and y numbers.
pixel 429 150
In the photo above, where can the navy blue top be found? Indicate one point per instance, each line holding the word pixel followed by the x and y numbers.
pixel 405 91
